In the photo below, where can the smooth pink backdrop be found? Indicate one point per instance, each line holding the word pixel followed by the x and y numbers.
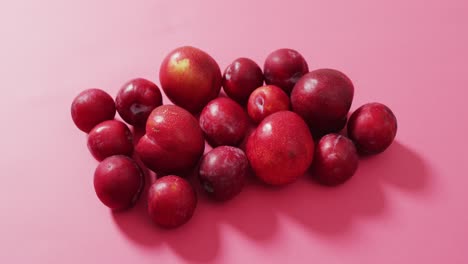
pixel 407 205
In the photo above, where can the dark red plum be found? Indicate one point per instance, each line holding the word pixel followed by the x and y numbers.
pixel 92 107
pixel 171 201
pixel 136 99
pixel 284 67
pixel 223 171
pixel 110 138
pixel 372 127
pixel 240 78
pixel 223 122
pixel 118 182
pixel 335 160
pixel 323 98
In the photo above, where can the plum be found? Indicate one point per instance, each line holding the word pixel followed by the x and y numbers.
pixel 240 78
pixel 265 101
pixel 281 148
pixel 223 122
pixel 335 160
pixel 91 107
pixel 223 171
pixel 372 127
pixel 171 201
pixel 110 138
pixel 173 143
pixel 190 78
pixel 136 99
pixel 323 98
pixel 284 67
pixel 118 182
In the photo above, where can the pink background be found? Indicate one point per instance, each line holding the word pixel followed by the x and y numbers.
pixel 407 205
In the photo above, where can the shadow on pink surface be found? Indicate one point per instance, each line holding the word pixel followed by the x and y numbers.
pixel 323 211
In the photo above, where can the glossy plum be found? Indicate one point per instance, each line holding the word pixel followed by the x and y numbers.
pixel 92 107
pixel 372 127
pixel 223 171
pixel 240 78
pixel 284 67
pixel 335 160
pixel 265 101
pixel 136 99
pixel 323 98
pixel 171 201
pixel 110 138
pixel 118 182
pixel 223 122
pixel 173 143
pixel 190 78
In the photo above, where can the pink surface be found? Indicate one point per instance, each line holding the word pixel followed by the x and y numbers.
pixel 407 205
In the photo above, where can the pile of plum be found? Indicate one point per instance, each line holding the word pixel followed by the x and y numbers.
pixel 278 131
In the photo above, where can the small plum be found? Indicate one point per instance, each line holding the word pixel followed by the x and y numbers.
pixel 281 148
pixel 91 107
pixel 171 201
pixel 284 67
pixel 136 99
pixel 190 78
pixel 110 138
pixel 265 101
pixel 118 182
pixel 223 171
pixel 240 78
pixel 372 127
pixel 323 98
pixel 224 122
pixel 335 160
pixel 173 143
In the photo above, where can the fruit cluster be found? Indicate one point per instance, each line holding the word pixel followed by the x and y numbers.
pixel 295 122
